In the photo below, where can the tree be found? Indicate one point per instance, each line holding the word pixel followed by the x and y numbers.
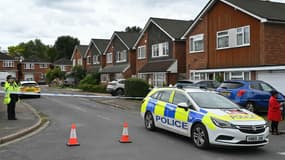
pixel 33 48
pixel 15 51
pixel 133 29
pixel 64 46
pixel 78 72
pixel 53 74
pixel 51 54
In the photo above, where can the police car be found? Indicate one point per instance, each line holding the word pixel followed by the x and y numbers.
pixel 206 117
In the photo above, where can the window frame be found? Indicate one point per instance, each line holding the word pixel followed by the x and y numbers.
pixel 192 40
pixel 88 58
pixel 223 36
pixel 109 58
pixel 8 64
pixel 160 50
pixel 43 65
pixel 121 56
pixel 31 66
pixel 139 52
pixel 96 59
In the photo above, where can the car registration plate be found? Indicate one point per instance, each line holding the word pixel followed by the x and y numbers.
pixel 254 138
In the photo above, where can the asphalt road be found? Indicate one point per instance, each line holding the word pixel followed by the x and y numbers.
pixel 99 128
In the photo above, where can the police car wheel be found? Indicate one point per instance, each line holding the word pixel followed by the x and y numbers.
pixel 200 136
pixel 149 121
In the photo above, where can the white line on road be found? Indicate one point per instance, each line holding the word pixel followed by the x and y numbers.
pixel 103 117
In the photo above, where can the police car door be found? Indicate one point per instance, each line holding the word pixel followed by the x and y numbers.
pixel 160 110
pixel 181 114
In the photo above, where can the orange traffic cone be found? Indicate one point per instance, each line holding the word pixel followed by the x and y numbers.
pixel 125 135
pixel 73 137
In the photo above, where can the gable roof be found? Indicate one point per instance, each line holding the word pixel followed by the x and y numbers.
pixel 81 49
pixel 263 10
pixel 173 28
pixel 4 56
pixel 127 38
pixel 99 44
pixel 63 61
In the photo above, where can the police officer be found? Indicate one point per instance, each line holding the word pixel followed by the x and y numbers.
pixel 10 99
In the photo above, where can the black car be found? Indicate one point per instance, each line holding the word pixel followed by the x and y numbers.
pixel 183 83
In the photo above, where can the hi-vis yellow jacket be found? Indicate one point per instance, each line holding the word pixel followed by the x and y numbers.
pixel 8 88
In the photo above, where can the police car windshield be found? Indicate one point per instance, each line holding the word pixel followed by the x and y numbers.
pixel 212 100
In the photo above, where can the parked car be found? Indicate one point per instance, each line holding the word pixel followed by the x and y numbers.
pixel 70 81
pixel 253 95
pixel 206 117
pixel 183 83
pixel 30 87
pixel 207 84
pixel 116 87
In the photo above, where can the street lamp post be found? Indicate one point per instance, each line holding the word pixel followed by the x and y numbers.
pixel 19 67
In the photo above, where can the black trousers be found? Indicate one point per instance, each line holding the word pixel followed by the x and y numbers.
pixel 274 126
pixel 11 107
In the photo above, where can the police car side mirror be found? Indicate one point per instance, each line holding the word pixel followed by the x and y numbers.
pixel 183 105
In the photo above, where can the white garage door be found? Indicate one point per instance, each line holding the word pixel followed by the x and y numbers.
pixel 274 78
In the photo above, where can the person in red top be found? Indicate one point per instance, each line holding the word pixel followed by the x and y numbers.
pixel 274 112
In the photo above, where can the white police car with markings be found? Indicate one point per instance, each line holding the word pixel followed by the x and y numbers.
pixel 206 117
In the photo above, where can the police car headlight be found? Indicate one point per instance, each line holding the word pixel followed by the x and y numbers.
pixel 222 123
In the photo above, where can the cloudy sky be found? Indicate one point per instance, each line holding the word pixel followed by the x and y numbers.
pixel 24 20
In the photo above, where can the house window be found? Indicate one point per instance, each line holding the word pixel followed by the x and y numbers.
pixel 89 60
pixel 237 75
pixel 196 43
pixel 79 62
pixel 234 37
pixel 121 56
pixel 29 66
pixel 109 57
pixel 142 76
pixel 141 52
pixel 223 39
pixel 243 36
pixel 159 79
pixel 62 68
pixel 96 59
pixel 43 65
pixel 160 49
pixel 8 63
pixel 73 62
pixel 198 76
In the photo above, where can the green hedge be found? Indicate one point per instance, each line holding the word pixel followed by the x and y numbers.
pixel 93 88
pixel 135 87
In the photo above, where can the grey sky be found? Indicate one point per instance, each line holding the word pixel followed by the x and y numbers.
pixel 24 20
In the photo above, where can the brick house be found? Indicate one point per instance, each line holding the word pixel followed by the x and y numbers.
pixel 118 59
pixel 34 69
pixel 161 52
pixel 77 57
pixel 64 64
pixel 94 54
pixel 8 66
pixel 238 39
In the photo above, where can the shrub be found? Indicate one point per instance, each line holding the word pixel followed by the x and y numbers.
pixel 135 87
pixel 93 78
pixel 93 88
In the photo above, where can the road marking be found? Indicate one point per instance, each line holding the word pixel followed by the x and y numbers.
pixel 103 117
pixel 281 153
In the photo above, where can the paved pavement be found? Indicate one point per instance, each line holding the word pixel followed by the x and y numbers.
pixel 29 120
